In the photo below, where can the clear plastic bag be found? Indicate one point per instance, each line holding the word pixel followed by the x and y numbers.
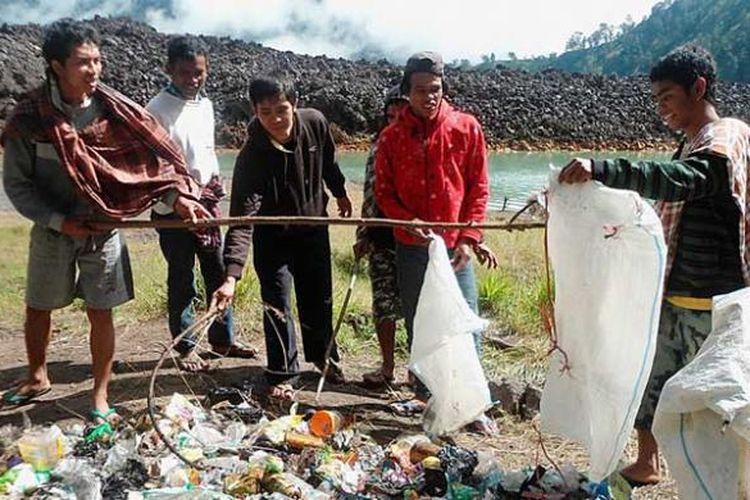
pixel 443 355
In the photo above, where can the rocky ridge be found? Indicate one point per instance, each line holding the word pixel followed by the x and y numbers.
pixel 520 110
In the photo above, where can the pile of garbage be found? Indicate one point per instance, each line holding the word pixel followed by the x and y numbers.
pixel 232 449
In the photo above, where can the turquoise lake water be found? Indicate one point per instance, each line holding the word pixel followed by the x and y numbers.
pixel 513 175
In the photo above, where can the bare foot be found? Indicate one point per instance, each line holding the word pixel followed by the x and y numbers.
pixel 640 474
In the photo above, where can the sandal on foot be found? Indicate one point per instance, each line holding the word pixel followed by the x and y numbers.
pixel 484 425
pixel 635 483
pixel 103 430
pixel 192 363
pixel 377 379
pixel 281 392
pixel 14 397
pixel 236 350
pixel 407 407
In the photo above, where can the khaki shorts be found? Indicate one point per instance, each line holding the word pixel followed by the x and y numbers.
pixel 61 268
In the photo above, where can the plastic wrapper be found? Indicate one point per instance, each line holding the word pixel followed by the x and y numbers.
pixel 78 474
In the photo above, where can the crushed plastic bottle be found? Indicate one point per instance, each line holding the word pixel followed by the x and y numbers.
pixel 42 448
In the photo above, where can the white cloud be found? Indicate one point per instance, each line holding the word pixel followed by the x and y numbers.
pixel 461 29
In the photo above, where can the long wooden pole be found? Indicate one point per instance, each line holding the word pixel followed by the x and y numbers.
pixel 307 221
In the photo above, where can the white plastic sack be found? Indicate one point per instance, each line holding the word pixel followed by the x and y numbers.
pixel 695 403
pixel 443 355
pixel 608 254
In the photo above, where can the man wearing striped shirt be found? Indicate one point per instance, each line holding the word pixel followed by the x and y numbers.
pixel 702 203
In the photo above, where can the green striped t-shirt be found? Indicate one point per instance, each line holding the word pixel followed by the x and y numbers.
pixel 707 258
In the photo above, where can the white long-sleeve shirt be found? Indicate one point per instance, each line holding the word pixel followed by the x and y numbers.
pixel 190 124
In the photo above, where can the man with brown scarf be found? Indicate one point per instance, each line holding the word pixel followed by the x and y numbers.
pixel 77 151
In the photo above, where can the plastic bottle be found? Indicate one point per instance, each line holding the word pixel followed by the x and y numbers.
pixel 325 423
pixel 42 448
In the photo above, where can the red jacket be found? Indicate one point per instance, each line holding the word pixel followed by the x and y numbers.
pixel 433 170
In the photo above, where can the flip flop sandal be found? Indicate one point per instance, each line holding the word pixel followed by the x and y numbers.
pixel 407 407
pixel 281 392
pixel 14 398
pixel 192 363
pixel 235 350
pixel 103 431
pixel 484 425
pixel 377 379
pixel 634 483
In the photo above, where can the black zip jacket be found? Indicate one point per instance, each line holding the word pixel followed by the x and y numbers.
pixel 273 180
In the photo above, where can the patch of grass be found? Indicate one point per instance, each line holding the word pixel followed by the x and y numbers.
pixel 495 292
pixel 149 279
pixel 509 296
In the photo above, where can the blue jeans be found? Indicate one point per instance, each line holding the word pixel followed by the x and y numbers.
pixel 411 263
pixel 180 248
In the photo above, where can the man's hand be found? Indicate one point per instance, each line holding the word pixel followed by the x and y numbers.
pixel 577 171
pixel 78 229
pixel 224 295
pixel 461 254
pixel 423 234
pixel 189 209
pixel 361 248
pixel 345 206
pixel 485 255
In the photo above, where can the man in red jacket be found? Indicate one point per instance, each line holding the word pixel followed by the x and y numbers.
pixel 431 165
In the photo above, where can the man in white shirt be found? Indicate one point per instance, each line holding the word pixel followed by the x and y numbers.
pixel 188 115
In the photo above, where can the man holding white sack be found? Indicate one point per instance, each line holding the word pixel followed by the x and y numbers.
pixel 703 208
pixel 431 165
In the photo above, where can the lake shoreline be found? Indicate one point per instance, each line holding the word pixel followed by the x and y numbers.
pixel 513 175
pixel 643 146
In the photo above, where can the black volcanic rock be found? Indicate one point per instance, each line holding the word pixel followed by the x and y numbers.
pixel 516 108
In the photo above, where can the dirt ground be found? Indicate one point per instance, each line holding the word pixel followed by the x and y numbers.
pixel 140 345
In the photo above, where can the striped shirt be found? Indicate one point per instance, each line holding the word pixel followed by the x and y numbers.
pixel 706 257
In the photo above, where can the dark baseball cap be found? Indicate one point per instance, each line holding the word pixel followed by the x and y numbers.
pixel 425 62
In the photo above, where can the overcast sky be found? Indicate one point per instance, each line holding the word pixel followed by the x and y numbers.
pixel 394 28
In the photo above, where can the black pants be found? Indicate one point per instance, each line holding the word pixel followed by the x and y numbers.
pixel 302 255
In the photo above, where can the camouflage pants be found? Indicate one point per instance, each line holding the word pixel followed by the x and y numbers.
pixel 681 334
pixel 386 301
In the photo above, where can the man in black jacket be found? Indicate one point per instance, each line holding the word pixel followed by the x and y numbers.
pixel 281 170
